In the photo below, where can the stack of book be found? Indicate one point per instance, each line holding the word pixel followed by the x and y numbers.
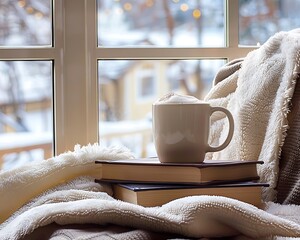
pixel 148 182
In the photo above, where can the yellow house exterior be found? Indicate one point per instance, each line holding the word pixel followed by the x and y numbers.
pixel 131 95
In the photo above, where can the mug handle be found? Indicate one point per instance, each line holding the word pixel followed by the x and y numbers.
pixel 230 132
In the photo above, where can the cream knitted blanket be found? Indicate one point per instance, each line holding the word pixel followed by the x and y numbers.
pixel 82 201
pixel 257 94
pixel 258 91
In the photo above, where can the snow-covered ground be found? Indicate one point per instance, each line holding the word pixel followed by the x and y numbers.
pixel 135 135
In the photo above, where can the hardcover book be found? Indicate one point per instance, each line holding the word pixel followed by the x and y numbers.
pixel 150 195
pixel 151 170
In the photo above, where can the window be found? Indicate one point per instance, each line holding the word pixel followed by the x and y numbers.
pixel 146 84
pixel 261 19
pixel 25 23
pixel 26 82
pixel 176 23
pixel 88 70
pixel 152 48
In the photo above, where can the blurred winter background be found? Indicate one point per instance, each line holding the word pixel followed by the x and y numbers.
pixel 127 88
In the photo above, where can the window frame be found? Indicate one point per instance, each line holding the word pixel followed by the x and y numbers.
pixel 75 57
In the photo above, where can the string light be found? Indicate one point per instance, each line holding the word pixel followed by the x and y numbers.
pixel 127 6
pixel 21 3
pixel 38 15
pixel 29 10
pixel 196 13
pixel 184 7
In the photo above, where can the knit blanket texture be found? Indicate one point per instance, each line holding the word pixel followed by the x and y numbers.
pixel 257 90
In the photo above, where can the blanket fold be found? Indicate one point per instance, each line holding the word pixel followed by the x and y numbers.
pixel 82 201
pixel 20 185
pixel 258 96
pixel 256 89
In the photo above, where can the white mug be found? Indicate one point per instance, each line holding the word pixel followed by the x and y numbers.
pixel 181 131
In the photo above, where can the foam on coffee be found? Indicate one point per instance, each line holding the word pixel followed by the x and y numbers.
pixel 174 98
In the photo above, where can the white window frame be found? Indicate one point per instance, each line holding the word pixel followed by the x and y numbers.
pixel 75 55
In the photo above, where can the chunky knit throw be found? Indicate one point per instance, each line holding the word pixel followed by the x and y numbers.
pixel 82 201
pixel 258 91
pixel 288 185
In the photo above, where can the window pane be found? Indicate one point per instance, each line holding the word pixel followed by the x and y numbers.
pixel 260 19
pixel 25 23
pixel 180 23
pixel 128 88
pixel 26 121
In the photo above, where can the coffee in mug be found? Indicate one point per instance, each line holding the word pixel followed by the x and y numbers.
pixel 181 126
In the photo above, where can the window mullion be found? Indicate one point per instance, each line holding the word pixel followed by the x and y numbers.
pixel 169 53
pixel 91 72
pixel 26 53
pixel 72 104
pixel 232 30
